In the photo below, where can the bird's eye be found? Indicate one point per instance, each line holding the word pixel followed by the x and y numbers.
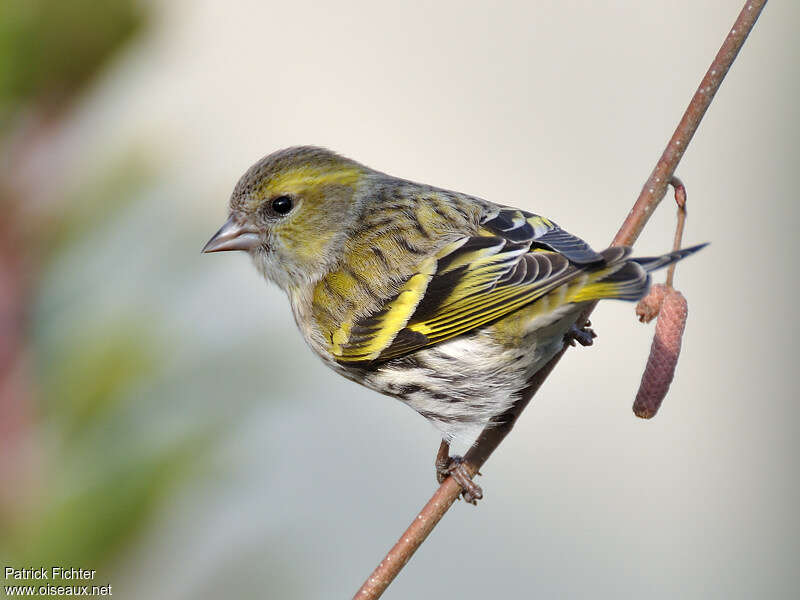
pixel 282 205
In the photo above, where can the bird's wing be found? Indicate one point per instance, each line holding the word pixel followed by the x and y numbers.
pixel 472 282
pixel 519 226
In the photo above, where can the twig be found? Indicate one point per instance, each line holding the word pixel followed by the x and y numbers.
pixel 680 200
pixel 652 192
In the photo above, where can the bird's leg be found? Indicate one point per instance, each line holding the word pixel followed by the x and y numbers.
pixel 584 335
pixel 453 466
pixel 442 461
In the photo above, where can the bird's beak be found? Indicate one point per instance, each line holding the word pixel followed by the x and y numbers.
pixel 232 236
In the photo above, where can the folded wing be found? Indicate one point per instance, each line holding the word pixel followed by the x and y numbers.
pixel 516 259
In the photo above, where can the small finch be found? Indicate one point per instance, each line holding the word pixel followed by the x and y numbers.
pixel 445 301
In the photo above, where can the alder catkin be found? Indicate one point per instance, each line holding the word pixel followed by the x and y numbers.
pixel 664 352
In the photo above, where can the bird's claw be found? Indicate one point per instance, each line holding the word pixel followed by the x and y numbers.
pixel 584 335
pixel 453 466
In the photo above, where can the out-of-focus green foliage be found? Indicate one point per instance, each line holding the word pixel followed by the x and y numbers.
pixel 50 48
pixel 94 373
pixel 100 473
pixel 98 197
pixel 87 523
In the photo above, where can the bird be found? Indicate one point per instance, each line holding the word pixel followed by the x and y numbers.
pixel 443 300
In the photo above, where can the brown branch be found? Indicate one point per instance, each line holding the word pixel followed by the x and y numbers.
pixel 680 200
pixel 651 195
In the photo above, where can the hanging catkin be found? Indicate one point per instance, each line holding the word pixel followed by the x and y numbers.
pixel 672 310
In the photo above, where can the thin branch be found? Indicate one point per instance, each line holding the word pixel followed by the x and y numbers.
pixel 680 200
pixel 651 195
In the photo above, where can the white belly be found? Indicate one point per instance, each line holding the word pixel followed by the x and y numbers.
pixel 462 384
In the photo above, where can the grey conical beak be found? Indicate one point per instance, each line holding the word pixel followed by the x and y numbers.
pixel 232 236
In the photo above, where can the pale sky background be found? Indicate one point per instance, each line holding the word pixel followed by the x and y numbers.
pixel 561 108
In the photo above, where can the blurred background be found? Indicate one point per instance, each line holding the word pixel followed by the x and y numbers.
pixel 161 420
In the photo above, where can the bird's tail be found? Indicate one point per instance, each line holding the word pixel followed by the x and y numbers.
pixel 626 278
pixel 657 262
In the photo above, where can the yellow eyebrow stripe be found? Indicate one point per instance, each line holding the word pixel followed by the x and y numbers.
pixel 296 180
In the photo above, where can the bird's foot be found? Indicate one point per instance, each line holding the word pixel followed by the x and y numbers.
pixel 584 335
pixel 453 466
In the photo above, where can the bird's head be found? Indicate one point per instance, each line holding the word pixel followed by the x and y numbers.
pixel 291 211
